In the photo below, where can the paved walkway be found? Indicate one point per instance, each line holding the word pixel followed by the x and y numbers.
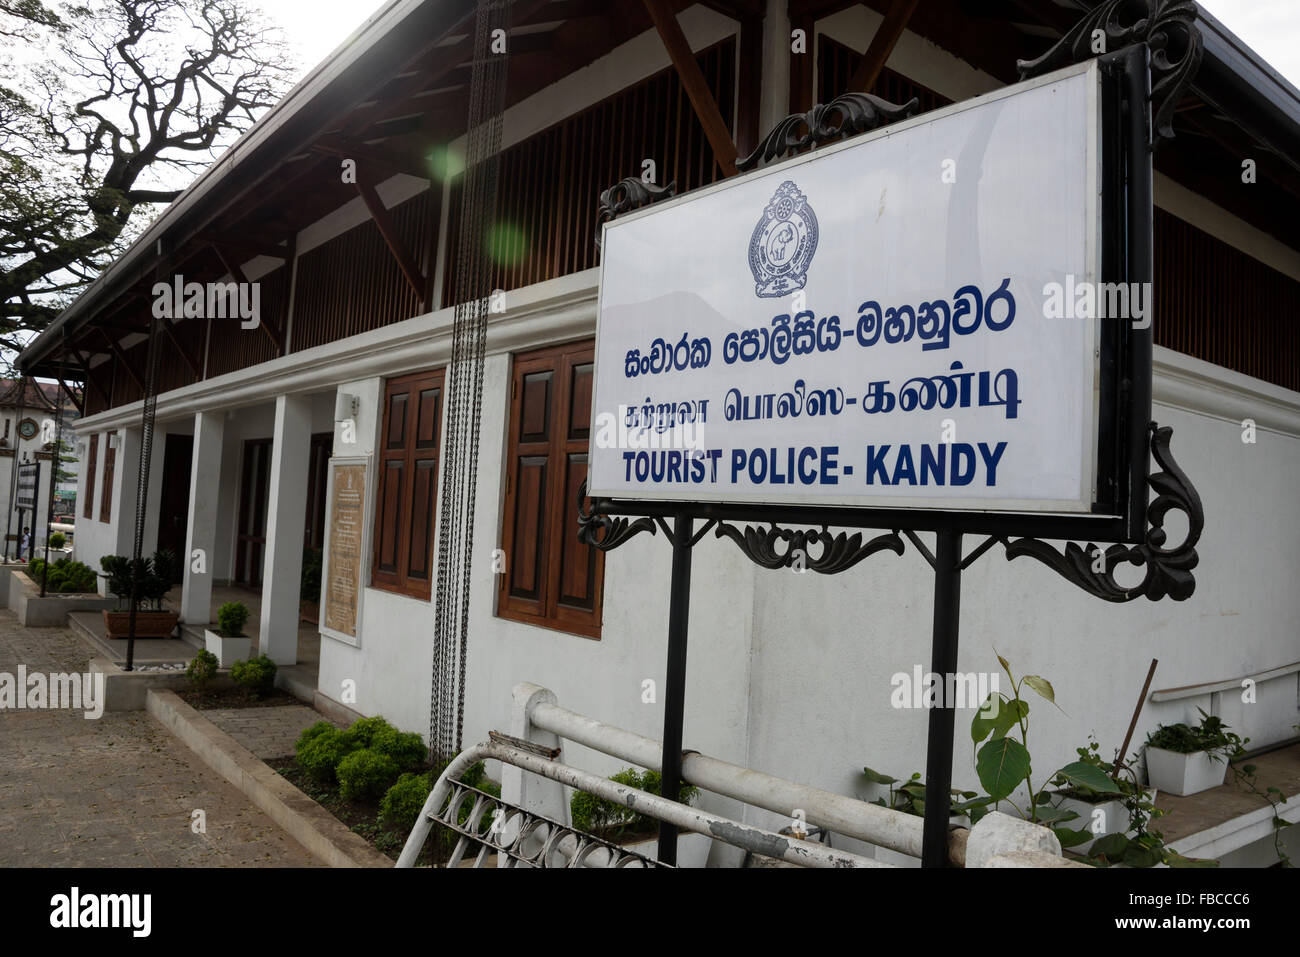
pixel 119 791
pixel 267 732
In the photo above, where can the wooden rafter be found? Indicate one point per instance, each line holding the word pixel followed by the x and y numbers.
pixel 166 326
pixel 237 273
pixel 78 401
pixel 388 229
pixel 882 45
pixel 693 81
pixel 114 348
pixel 388 160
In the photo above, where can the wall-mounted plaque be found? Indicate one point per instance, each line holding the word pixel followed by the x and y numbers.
pixel 341 574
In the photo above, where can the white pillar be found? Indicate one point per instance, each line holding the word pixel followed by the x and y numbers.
pixel 286 513
pixel 126 479
pixel 201 526
pixel 774 100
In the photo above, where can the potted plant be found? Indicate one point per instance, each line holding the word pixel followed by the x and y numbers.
pixel 964 808
pixel 637 833
pixel 228 642
pixel 1186 760
pixel 152 579
pixel 1096 793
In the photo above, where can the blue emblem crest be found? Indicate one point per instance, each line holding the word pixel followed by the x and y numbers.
pixel 783 244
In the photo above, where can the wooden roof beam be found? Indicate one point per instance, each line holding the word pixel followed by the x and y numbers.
pixel 166 325
pixel 237 274
pixel 388 229
pixel 693 81
pixel 114 348
pixel 882 45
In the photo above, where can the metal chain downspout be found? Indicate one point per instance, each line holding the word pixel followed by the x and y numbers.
pixel 465 389
pixel 142 486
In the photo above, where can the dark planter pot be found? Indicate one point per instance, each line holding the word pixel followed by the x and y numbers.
pixel 148 624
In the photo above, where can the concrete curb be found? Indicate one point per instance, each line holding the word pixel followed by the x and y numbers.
pixel 316 829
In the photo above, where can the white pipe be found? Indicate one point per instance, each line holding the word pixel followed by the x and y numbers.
pixel 685 817
pixel 844 815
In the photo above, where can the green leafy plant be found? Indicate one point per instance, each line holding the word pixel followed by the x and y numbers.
pixel 201 670
pixel 58 540
pixel 614 821
pixel 405 748
pixel 401 805
pixel 257 675
pixel 320 748
pixel 1003 763
pixel 231 618
pixel 1211 736
pixel 364 775
pixel 62 575
pixel 1221 743
pixel 152 578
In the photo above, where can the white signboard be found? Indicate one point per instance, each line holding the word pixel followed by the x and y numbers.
pixel 867 325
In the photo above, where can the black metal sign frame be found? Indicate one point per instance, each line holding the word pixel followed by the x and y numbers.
pixel 1167 44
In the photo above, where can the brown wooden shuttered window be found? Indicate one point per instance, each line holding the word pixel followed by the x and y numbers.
pixel 550 578
pixel 408 484
pixel 92 460
pixel 106 489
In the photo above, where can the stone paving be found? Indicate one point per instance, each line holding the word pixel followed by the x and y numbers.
pixel 118 791
pixel 267 732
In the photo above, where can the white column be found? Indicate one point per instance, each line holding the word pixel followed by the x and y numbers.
pixel 201 526
pixel 286 513
pixel 126 479
pixel 773 102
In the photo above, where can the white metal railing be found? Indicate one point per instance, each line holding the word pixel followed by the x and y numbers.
pixel 528 822
pixel 519 837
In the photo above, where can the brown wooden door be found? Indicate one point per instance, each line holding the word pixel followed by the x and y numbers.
pixel 174 503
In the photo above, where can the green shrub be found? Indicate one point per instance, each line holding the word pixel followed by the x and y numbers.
pixel 201 669
pixel 401 806
pixel 406 748
pixel 320 749
pixel 257 675
pixel 363 730
pixel 365 775
pixel 311 734
pixel 598 816
pixel 63 575
pixel 231 618
pixel 57 539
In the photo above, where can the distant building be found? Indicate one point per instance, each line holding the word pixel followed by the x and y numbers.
pixel 27 415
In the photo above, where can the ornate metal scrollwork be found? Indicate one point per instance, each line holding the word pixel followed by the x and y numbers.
pixel 1168 570
pixel 839 552
pixel 855 112
pixel 1168 27
pixel 616 530
pixel 629 194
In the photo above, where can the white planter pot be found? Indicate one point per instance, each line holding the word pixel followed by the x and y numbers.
pixel 227 650
pixel 1114 818
pixel 1184 774
pixel 692 849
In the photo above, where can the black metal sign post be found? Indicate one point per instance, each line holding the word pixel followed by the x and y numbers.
pixel 1166 43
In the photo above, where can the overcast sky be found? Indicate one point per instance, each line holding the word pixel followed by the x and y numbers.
pixel 1271 27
